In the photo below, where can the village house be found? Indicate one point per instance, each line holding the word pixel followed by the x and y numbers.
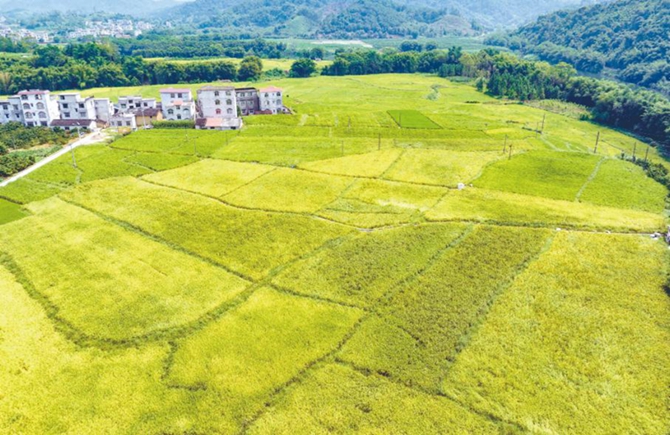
pixel 247 100
pixel 133 103
pixel 104 109
pixel 177 104
pixel 146 117
pixel 271 100
pixel 38 108
pixel 123 121
pixel 217 108
pixel 10 110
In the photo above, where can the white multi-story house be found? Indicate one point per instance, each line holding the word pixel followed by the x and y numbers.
pixel 38 108
pixel 134 103
pixel 104 109
pixel 217 108
pixel 10 110
pixel 271 100
pixel 73 106
pixel 123 120
pixel 177 104
pixel 247 100
pixel 217 102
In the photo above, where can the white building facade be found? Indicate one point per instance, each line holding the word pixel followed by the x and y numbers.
pixel 10 110
pixel 177 104
pixel 73 106
pixel 271 100
pixel 38 108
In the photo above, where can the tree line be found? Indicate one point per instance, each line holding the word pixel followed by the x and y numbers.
pixel 81 66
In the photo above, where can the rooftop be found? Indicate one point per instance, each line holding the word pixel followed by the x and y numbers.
pixel 174 90
pixel 271 89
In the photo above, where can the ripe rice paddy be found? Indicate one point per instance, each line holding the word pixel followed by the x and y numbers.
pixel 322 273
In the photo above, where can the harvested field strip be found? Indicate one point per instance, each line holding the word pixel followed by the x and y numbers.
pixel 361 270
pixel 436 312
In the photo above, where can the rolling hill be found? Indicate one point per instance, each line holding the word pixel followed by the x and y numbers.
pixel 362 18
pixel 626 39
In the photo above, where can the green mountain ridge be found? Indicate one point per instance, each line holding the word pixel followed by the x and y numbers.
pixel 362 18
pixel 627 39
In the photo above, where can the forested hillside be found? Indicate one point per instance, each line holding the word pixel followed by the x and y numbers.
pixel 628 38
pixel 362 18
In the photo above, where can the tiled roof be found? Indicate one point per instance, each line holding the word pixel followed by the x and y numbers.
pixel 72 122
pixel 174 90
pixel 271 89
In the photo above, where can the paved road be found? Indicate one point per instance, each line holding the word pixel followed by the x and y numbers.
pixel 89 139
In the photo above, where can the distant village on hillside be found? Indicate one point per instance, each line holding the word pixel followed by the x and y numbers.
pixel 218 107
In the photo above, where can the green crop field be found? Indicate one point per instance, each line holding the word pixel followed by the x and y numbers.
pixel 402 255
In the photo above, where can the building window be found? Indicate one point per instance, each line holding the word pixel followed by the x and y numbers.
pixel 66 114
pixel 81 105
pixel 43 115
pixel 40 106
pixel 29 115
pixel 128 123
pixel 216 93
pixel 229 102
pixel 24 97
pixel 267 95
pixel 170 112
pixel 230 111
pixel 218 111
pixel 26 106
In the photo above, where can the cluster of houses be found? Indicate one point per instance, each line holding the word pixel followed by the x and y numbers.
pixel 217 107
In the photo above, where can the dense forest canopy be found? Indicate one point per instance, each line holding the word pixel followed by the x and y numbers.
pixel 630 37
pixel 362 18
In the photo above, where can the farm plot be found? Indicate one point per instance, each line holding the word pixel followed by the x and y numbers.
pixel 337 399
pixel 373 203
pixel 102 280
pixel 245 365
pixel 369 165
pixel 213 178
pixel 10 211
pixel 489 206
pixel 49 383
pixel 412 119
pixel 428 320
pixel 25 191
pixel 249 242
pixel 588 346
pixel 623 185
pixel 160 161
pixel 441 168
pixel 360 271
pixel 546 174
pixel 289 190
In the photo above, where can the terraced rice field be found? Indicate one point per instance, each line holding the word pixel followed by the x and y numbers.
pixel 323 273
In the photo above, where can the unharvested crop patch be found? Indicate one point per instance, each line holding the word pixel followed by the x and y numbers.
pixel 412 119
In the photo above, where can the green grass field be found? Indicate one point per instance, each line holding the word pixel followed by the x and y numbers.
pixel 322 273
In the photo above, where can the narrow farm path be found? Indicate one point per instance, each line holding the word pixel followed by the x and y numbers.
pixel 90 139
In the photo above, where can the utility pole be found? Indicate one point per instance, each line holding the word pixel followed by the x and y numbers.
pixel 510 152
pixel 505 146
pixel 595 149
pixel 634 150
pixel 646 154
pixel 544 118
